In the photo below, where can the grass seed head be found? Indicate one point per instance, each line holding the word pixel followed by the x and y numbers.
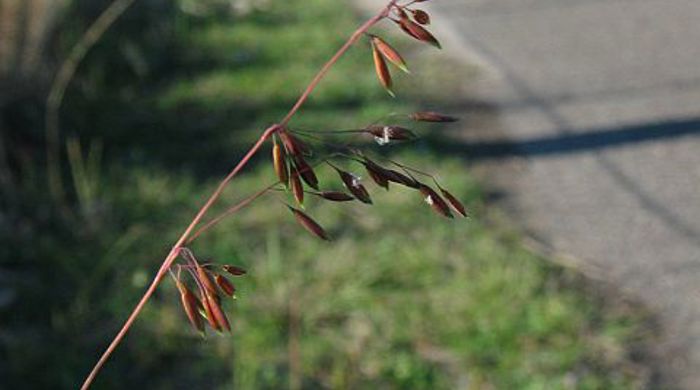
pixel 335 196
pixel 205 279
pixel 279 160
pixel 309 224
pixel 435 201
pixel 430 116
pixel 389 53
pixel 385 134
pixel 305 171
pixel 294 146
pixel 454 202
pixel 418 32
pixel 378 174
pixel 233 270
pixel 421 17
pixel 218 313
pixel 209 312
pixel 191 305
pixel 225 285
pixel 400 178
pixel 297 186
pixel 382 70
pixel 353 184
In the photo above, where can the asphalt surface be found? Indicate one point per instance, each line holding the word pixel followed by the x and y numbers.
pixel 598 147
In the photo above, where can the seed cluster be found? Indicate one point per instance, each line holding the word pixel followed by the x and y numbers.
pixel 210 284
pixel 410 21
pixel 291 157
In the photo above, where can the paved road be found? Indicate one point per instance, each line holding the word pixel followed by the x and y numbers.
pixel 600 113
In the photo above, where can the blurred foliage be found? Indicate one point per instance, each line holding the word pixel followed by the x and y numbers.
pixel 401 299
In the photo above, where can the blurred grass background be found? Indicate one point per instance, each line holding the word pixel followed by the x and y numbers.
pixel 160 110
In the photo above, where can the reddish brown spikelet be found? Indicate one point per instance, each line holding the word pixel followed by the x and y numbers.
pixel 418 32
pixel 279 159
pixel 218 313
pixel 390 133
pixel 335 196
pixel 227 287
pixel 305 171
pixel 204 278
pixel 309 224
pixel 293 145
pixel 378 174
pixel 209 312
pixel 233 270
pixel 382 70
pixel 430 116
pixel 421 16
pixel 398 177
pixel 389 53
pixel 297 186
pixel 191 304
pixel 352 183
pixel 435 201
pixel 454 202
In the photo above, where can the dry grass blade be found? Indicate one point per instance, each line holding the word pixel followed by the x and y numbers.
pixel 335 196
pixel 430 116
pixel 227 287
pixel 435 201
pixel 382 70
pixel 309 224
pixel 279 159
pixel 297 186
pixel 454 202
pixel 389 53
pixel 233 270
pixel 418 32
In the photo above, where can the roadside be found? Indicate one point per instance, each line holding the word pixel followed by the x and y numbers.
pixel 466 83
pixel 596 156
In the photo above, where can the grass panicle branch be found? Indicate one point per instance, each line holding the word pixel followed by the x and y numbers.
pixel 187 234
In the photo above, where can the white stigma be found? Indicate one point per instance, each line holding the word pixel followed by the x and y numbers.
pixel 384 139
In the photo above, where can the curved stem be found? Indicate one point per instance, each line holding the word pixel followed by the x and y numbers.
pixel 322 73
pixel 175 250
pixel 173 255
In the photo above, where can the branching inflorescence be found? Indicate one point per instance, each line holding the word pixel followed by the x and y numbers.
pixel 295 158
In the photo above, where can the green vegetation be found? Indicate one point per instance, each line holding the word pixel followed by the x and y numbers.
pixel 401 299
